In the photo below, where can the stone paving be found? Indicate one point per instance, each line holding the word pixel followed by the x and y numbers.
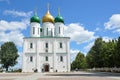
pixel 61 76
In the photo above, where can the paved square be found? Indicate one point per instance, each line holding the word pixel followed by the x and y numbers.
pixel 61 76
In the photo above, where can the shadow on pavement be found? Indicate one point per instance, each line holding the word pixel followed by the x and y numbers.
pixel 100 74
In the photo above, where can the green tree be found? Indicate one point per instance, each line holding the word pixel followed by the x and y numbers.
pixel 90 58
pixel 73 65
pixel 8 55
pixel 109 53
pixel 79 62
pixel 102 54
pixel 94 56
pixel 117 53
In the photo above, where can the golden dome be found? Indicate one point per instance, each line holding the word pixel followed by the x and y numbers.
pixel 48 18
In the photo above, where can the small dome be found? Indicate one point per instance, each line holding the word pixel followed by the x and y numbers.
pixel 48 18
pixel 59 19
pixel 35 18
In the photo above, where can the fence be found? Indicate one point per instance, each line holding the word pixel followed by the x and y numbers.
pixel 106 69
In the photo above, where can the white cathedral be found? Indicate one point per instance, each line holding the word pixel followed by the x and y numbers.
pixel 47 49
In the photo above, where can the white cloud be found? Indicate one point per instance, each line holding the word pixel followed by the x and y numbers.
pixel 106 39
pixel 12 30
pixel 73 51
pixel 113 23
pixel 77 33
pixel 18 13
pixel 13 25
pixel 14 36
pixel 118 31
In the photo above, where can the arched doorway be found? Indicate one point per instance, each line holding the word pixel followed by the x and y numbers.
pixel 46 67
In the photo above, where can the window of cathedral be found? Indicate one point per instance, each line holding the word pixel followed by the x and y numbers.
pixel 31 45
pixel 63 30
pixel 61 58
pixel 51 32
pixel 46 58
pixel 38 30
pixel 59 30
pixel 61 46
pixel 31 59
pixel 47 31
pixel 33 30
pixel 46 45
pixel 46 50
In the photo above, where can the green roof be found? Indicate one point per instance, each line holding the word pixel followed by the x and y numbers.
pixel 35 18
pixel 59 19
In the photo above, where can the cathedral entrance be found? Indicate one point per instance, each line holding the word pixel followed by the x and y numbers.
pixel 46 67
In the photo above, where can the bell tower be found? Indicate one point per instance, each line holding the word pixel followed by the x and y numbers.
pixel 35 26
pixel 48 24
pixel 59 25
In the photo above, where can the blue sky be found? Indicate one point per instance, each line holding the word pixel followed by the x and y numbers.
pixel 85 20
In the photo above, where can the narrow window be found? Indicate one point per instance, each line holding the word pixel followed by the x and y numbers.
pixel 61 45
pixel 46 58
pixel 61 58
pixel 46 50
pixel 31 45
pixel 63 30
pixel 31 59
pixel 33 30
pixel 43 32
pixel 46 45
pixel 59 30
pixel 38 30
pixel 47 31
pixel 51 32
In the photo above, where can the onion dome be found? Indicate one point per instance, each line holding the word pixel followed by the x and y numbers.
pixel 48 18
pixel 59 18
pixel 35 18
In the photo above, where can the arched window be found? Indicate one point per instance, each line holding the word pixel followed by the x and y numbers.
pixel 63 30
pixel 61 58
pixel 33 30
pixel 59 30
pixel 46 58
pixel 31 59
pixel 38 30
pixel 31 45
pixel 61 46
pixel 47 31
pixel 46 45
pixel 51 32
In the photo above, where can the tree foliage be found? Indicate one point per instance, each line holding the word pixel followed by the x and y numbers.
pixel 117 53
pixel 8 55
pixel 79 62
pixel 104 54
pixel 101 54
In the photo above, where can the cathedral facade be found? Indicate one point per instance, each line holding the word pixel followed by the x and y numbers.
pixel 47 49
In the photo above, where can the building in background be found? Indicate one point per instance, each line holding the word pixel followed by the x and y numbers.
pixel 47 49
